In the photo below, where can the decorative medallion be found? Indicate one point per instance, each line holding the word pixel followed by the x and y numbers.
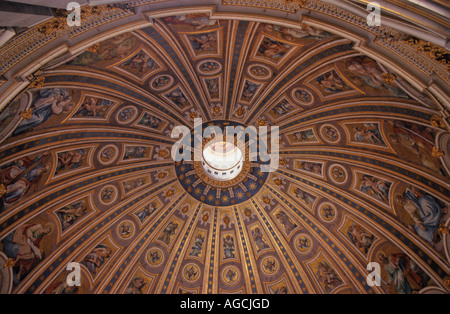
pixel 327 212
pixel 108 154
pixel 191 272
pixel 161 82
pixel 303 243
pixel 209 67
pixel 302 96
pixel 126 115
pixel 155 257
pixel 126 229
pixel 108 194
pixel 230 275
pixel 269 265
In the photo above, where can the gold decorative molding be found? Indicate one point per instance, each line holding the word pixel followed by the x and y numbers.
pixel 9 263
pixel 27 114
pixel 94 48
pixel 443 229
pixel 447 282
pixel 2 190
pixel 282 5
pixel 431 50
pixel 437 122
pixel 36 81
pixel 301 3
pixel 436 152
pixel 389 78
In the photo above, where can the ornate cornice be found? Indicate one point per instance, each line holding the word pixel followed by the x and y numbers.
pixel 426 57
pixel 35 38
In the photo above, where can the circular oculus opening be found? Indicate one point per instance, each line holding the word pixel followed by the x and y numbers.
pixel 222 160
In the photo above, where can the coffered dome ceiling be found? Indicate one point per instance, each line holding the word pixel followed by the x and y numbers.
pixel 87 176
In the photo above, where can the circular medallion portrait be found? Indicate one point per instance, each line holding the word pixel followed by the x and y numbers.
pixel 108 154
pixel 330 134
pixel 126 229
pixel 126 115
pixel 269 265
pixel 327 212
pixel 302 97
pixel 161 82
pixel 259 72
pixel 338 174
pixel 209 67
pixel 191 272
pixel 303 243
pixel 154 257
pixel 230 275
pixel 108 194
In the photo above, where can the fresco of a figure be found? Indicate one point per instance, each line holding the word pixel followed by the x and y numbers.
pixel 259 71
pixel 282 109
pixel 302 96
pixel 178 97
pixel 272 49
pixel 198 244
pixel 136 285
pixel 150 121
pixel 147 211
pixel 190 22
pixel 249 91
pixel 327 276
pixel 424 211
pixel 304 136
pixel 71 213
pixel 204 42
pixel 24 246
pixel 366 73
pixel 303 35
pixel 331 83
pixel 403 274
pixel 367 133
pixel 19 176
pixel 359 236
pixel 310 166
pixel 97 258
pixel 113 49
pixel 413 142
pixel 305 197
pixel 126 114
pixel 168 233
pixel 213 88
pixel 48 103
pixel 161 82
pixel 377 188
pixel 70 160
pixel 140 64
pixel 134 184
pixel 229 247
pixel 93 107
pixel 303 243
pixel 136 152
pixel 330 133
pixel 209 67
pixel 285 221
pixel 259 239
